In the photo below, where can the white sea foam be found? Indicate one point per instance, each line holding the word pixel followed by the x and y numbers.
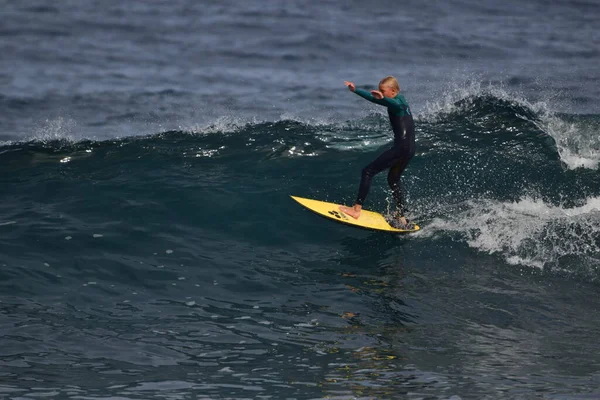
pixel 223 124
pixel 455 97
pixel 529 231
pixel 578 142
pixel 61 128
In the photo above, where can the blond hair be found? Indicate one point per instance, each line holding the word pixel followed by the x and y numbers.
pixel 391 82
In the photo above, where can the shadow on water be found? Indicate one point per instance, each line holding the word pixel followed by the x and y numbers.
pixel 376 364
pixel 373 267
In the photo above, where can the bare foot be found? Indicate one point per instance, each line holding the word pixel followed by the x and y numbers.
pixel 403 223
pixel 354 212
pixel 399 221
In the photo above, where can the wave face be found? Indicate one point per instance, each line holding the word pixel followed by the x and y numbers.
pixel 486 167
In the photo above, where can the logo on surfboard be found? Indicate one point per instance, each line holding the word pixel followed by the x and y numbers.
pixel 337 214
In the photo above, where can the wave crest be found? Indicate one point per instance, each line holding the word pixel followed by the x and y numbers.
pixel 494 108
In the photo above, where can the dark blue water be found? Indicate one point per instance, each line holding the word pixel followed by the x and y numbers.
pixel 149 247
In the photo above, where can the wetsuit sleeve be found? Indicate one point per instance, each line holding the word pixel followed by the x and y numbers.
pixel 367 95
pixel 387 102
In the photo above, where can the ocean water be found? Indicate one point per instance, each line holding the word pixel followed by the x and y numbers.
pixel 149 247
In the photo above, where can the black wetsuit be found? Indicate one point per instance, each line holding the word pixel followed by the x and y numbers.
pixel 397 157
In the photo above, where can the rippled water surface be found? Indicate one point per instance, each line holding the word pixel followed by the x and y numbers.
pixel 149 247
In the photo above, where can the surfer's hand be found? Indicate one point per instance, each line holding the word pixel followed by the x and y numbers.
pixel 350 85
pixel 377 94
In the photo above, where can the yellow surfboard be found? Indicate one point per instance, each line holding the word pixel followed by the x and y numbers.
pixel 367 219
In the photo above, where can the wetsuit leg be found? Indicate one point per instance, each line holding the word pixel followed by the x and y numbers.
pixel 386 160
pixel 393 179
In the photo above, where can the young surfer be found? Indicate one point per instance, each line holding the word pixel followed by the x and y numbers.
pixel 397 157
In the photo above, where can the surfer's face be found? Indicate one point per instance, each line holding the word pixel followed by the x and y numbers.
pixel 387 91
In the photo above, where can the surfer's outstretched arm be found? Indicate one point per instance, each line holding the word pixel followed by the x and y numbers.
pixel 380 99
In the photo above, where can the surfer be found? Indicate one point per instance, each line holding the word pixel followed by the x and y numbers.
pixel 397 157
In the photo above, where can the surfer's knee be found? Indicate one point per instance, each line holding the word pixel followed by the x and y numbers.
pixel 367 172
